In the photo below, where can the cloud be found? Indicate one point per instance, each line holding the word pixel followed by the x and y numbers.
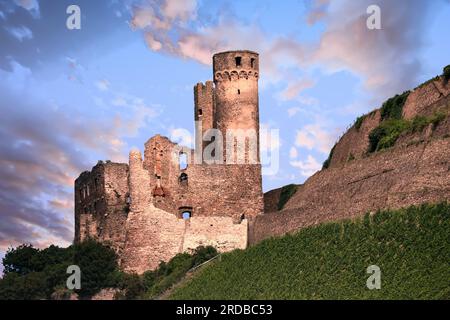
pixel 318 11
pixel 137 113
pixel 308 167
pixel 31 5
pixel 180 9
pixel 103 85
pixel 294 88
pixel 43 148
pixel 315 137
pixel 293 153
pixel 293 111
pixel 269 139
pixel 182 136
pixel 386 60
pixel 20 33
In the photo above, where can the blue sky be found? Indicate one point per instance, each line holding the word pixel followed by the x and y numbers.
pixel 71 97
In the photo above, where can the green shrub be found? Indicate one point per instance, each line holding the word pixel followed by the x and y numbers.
pixel 32 286
pixel 446 74
pixel 27 267
pixel 286 193
pixel 386 134
pixel 437 118
pixel 326 163
pixel 203 254
pixel 96 262
pixel 131 287
pixel 329 261
pixel 359 121
pixel 393 107
pixel 419 123
pixel 22 260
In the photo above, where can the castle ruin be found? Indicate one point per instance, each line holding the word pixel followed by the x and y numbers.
pixel 175 199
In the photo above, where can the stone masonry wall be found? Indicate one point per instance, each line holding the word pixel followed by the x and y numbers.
pixel 424 100
pixel 155 235
pixel 101 204
pixel 409 174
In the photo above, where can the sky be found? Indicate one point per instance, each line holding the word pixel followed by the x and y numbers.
pixel 69 98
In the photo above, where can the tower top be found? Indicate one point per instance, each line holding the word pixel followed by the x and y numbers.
pixel 235 61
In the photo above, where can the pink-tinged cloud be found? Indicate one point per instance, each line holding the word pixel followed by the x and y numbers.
pixel 42 150
pixel 386 60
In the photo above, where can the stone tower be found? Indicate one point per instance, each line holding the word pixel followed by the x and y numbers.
pixel 236 76
pixel 155 206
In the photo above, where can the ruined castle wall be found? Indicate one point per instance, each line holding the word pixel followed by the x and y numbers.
pixel 409 174
pixel 218 190
pixel 139 183
pixel 155 235
pixel 152 236
pixel 203 111
pixel 116 189
pixel 219 198
pixel 101 204
pixel 219 232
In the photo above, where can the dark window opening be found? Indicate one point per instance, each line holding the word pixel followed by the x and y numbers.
pixel 239 91
pixel 252 62
pixel 238 61
pixel 243 217
pixel 183 179
pixel 200 112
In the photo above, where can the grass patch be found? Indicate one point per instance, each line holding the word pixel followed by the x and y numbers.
pixel 329 261
pixel 286 193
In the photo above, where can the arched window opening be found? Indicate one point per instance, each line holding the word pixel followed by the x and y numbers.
pixel 186 215
pixel 239 91
pixel 183 161
pixel 200 112
pixel 252 62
